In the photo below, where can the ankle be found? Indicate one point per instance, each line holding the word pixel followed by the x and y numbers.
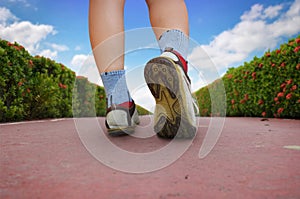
pixel 115 87
pixel 175 39
pixel 176 57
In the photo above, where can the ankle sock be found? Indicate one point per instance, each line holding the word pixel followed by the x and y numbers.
pixel 115 87
pixel 174 39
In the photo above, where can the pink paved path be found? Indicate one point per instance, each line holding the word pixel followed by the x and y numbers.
pixel 46 159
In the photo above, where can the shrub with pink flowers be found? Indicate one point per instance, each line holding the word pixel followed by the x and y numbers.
pixel 32 87
pixel 38 87
pixel 264 87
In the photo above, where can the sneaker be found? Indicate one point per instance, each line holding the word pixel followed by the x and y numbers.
pixel 167 79
pixel 121 119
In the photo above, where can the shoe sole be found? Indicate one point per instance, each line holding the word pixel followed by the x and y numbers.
pixel 116 132
pixel 171 115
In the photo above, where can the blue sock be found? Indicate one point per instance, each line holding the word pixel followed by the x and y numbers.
pixel 115 87
pixel 175 39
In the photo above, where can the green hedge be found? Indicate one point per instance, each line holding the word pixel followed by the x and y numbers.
pixel 88 99
pixel 14 70
pixel 38 87
pixel 32 87
pixel 264 87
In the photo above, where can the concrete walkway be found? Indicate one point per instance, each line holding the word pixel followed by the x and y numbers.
pixel 252 159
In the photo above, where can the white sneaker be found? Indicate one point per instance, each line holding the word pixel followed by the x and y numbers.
pixel 121 119
pixel 170 85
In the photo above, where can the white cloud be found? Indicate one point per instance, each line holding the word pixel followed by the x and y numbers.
pixel 23 32
pixel 253 33
pixel 27 34
pixel 78 60
pixel 254 13
pixel 294 9
pixel 272 11
pixel 58 47
pixel 30 35
pixel 258 12
pixel 48 53
pixel 53 52
pixel 6 16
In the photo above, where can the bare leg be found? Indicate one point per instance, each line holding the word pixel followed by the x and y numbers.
pixel 168 14
pixel 106 28
pixel 106 20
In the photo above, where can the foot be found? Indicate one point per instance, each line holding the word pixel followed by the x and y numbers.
pixel 167 79
pixel 121 119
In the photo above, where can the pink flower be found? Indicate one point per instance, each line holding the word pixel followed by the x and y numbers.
pixel 264 114
pixel 9 44
pixel 294 88
pixel 297 49
pixel 289 81
pixel 289 96
pixel 260 102
pixel 229 76
pixel 280 110
pixel 280 94
pixel 283 85
pixel 62 66
pixel 232 101
pixel 63 86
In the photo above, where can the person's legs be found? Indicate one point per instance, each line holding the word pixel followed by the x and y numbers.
pixel 166 75
pixel 106 21
pixel 169 19
pixel 106 28
pixel 168 14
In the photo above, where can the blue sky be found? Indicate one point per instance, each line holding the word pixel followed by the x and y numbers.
pixel 224 33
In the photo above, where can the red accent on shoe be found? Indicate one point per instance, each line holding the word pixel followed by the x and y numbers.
pixel 126 104
pixel 182 60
